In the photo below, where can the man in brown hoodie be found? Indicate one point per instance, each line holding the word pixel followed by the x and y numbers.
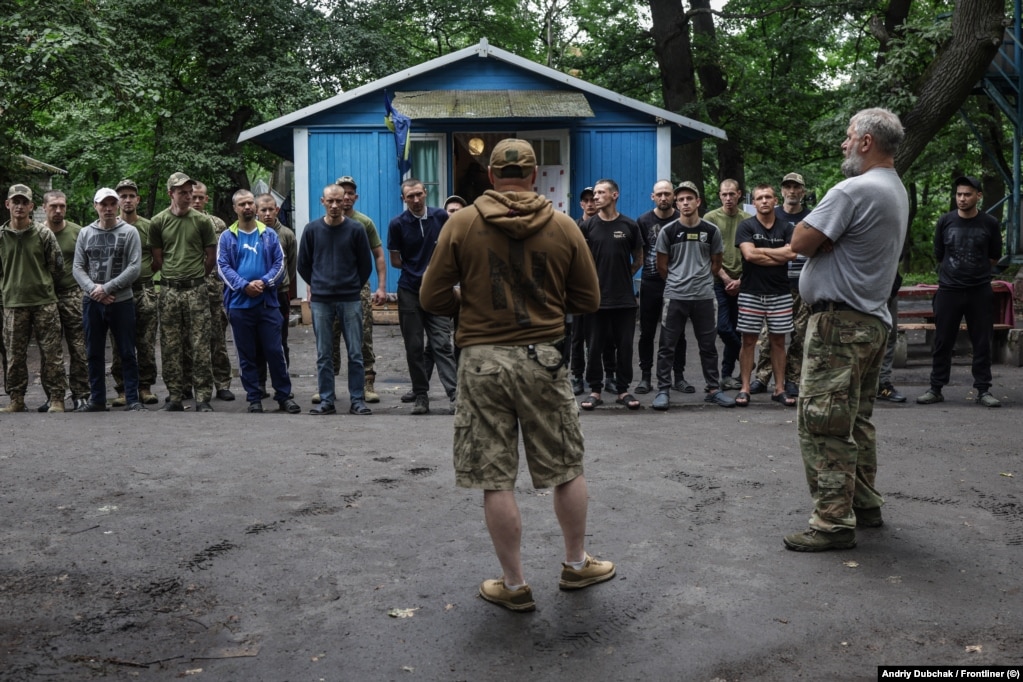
pixel 522 267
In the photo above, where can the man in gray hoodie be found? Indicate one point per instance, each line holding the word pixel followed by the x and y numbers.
pixel 108 259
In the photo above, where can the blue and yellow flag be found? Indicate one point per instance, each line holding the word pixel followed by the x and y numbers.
pixel 399 124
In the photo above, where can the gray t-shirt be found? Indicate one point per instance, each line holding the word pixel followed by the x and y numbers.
pixel 689 250
pixel 866 217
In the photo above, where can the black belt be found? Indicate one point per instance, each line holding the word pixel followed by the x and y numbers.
pixel 140 284
pixel 828 306
pixel 61 292
pixel 183 283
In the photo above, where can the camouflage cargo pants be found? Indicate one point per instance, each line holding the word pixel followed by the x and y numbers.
pixel 794 354
pixel 836 400
pixel 219 358
pixel 368 357
pixel 69 307
pixel 147 321
pixel 43 322
pixel 185 338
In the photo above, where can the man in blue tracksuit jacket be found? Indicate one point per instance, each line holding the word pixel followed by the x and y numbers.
pixel 250 260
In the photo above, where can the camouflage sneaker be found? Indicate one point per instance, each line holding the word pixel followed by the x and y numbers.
pixel 813 540
pixel 495 592
pixel 592 572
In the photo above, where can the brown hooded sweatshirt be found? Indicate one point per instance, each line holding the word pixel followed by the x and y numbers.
pixel 522 267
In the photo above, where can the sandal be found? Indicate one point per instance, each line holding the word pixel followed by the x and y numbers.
pixel 629 401
pixel 742 399
pixel 785 399
pixel 592 401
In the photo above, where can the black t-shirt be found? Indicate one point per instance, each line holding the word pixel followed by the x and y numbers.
pixel 764 279
pixel 612 243
pixel 964 249
pixel 650 225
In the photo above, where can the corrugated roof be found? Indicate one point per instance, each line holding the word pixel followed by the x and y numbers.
pixel 434 104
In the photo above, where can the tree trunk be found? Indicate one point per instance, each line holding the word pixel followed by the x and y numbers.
pixel 977 30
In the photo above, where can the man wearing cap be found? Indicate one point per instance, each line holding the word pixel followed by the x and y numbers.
pixel 30 264
pixel 688 256
pixel 651 287
pixel 267 212
pixel 454 203
pixel 727 281
pixel 764 295
pixel 522 266
pixel 852 239
pixel 250 261
pixel 793 189
pixel 219 359
pixel 184 251
pixel 411 238
pixel 147 316
pixel 335 260
pixel 967 243
pixel 69 299
pixel 108 259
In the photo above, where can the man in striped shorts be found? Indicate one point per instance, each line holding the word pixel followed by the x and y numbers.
pixel 763 241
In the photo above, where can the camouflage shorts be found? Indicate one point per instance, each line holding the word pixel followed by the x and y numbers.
pixel 501 390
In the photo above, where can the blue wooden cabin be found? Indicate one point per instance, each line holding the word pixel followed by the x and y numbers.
pixel 460 105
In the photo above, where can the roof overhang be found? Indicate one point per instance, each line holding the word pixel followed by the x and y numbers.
pixel 477 104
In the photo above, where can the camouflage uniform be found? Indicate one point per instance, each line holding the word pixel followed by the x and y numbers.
pixel 368 357
pixel 844 350
pixel 31 309
pixel 221 362
pixel 69 308
pixel 147 318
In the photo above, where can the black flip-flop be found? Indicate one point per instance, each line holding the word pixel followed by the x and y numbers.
pixel 629 401
pixel 742 399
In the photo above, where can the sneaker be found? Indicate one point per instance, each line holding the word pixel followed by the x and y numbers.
pixel 683 386
pixel 289 406
pixel 323 409
pixel 77 402
pixel 136 407
pixel 792 389
pixel 985 399
pixel 315 399
pixel 868 518
pixel 422 405
pixel 591 573
pixel 757 386
pixel 730 383
pixel 92 407
pixel 644 387
pixel 930 397
pixel 662 401
pixel 719 398
pixel 256 406
pixel 813 540
pixel 173 406
pixel 409 397
pixel 204 405
pixel 224 394
pixel 888 392
pixel 578 387
pixel 495 592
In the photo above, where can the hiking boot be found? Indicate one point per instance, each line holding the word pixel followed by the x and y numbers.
pixel 930 397
pixel 409 397
pixel 146 396
pixel 136 407
pixel 17 404
pixel 591 573
pixel 224 394
pixel 371 395
pixel 422 405
pixel 792 389
pixel 662 401
pixel 290 406
pixel 813 540
pixel 93 407
pixel 683 386
pixel 578 387
pixel 120 400
pixel 204 406
pixel 255 406
pixel 985 399
pixel 730 383
pixel 757 386
pixel 316 399
pixel 888 392
pixel 719 398
pixel 56 406
pixel 172 406
pixel 644 387
pixel 868 518
pixel 495 592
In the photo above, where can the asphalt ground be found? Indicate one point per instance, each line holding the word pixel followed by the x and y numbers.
pixel 235 546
